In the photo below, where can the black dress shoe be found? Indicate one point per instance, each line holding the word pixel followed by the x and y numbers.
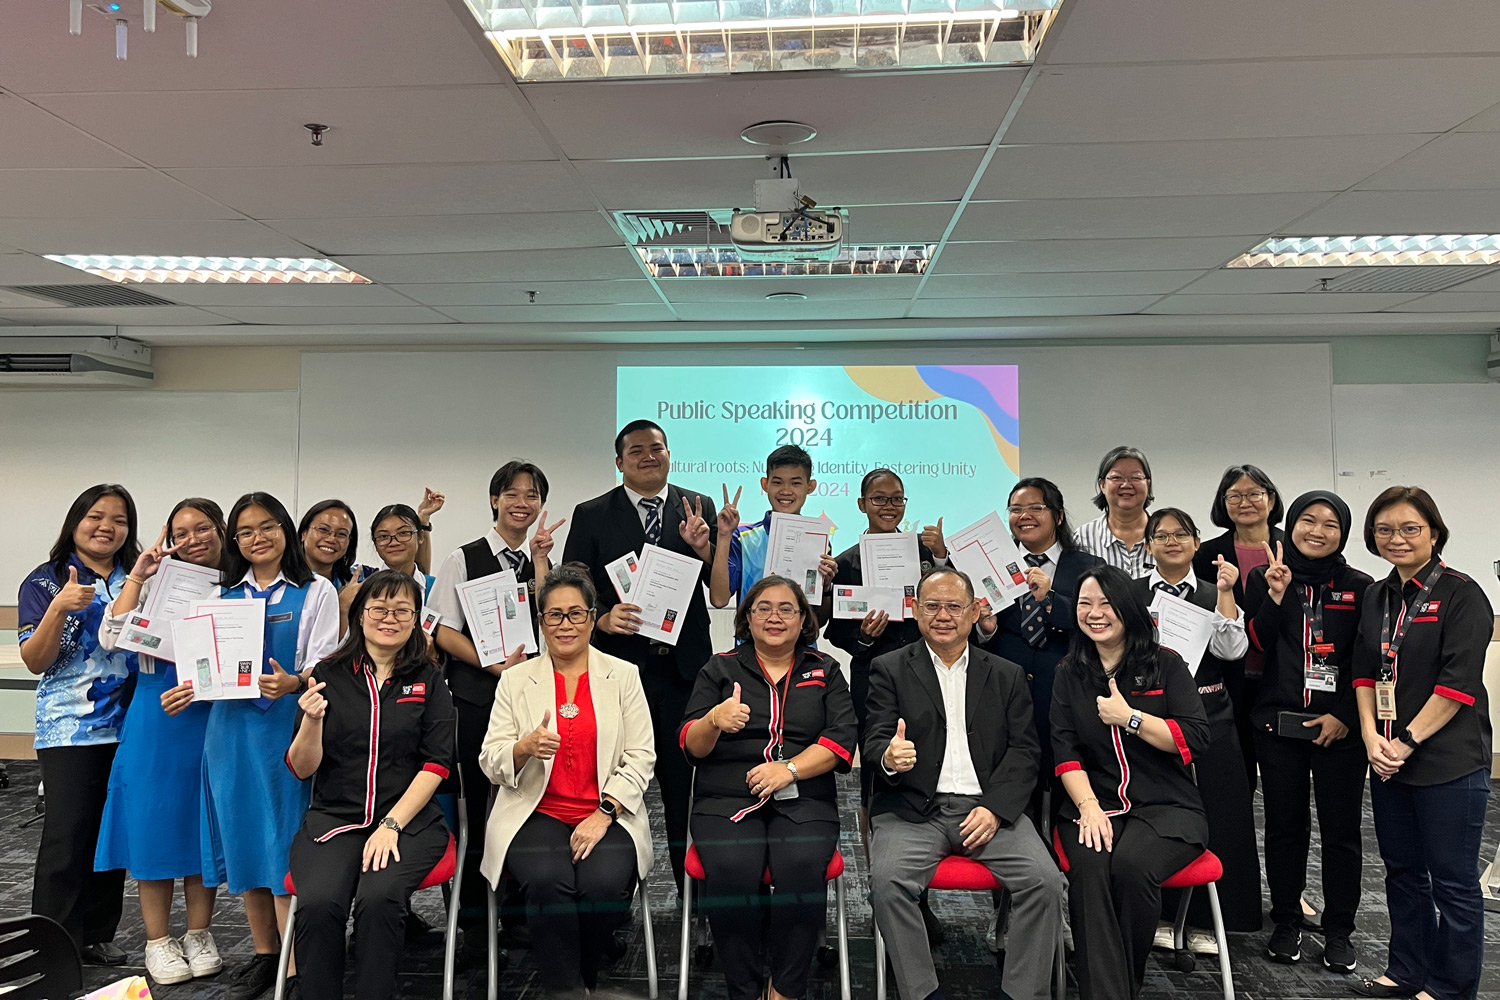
pixel 103 953
pixel 1370 988
pixel 253 978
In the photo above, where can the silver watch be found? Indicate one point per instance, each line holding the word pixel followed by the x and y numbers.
pixel 390 824
pixel 791 766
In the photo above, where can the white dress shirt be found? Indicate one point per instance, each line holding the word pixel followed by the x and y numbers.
pixel 318 630
pixel 1049 557
pixel 1228 640
pixel 957 776
pixel 444 596
pixel 640 512
pixel 1096 539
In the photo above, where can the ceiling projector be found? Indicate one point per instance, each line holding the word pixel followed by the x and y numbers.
pixel 785 226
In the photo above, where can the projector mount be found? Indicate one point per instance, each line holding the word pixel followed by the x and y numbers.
pixel 189 10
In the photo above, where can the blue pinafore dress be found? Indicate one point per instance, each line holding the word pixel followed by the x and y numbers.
pixel 252 803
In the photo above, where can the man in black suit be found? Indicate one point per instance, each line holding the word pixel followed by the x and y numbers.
pixel 648 509
pixel 954 748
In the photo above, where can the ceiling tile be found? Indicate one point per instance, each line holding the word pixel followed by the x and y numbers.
pixel 33 138
pixel 1087 305
pixel 1091 255
pixel 514 293
pixel 115 316
pixel 1260 280
pixel 1458 160
pixel 364 191
pixel 102 194
pixel 1197 167
pixel 450 233
pixel 817 288
pixel 831 309
pixel 330 315
pixel 1356 213
pixel 1083 283
pixel 1280 303
pixel 899 223
pixel 203 237
pixel 367 125
pixel 1485 121
pixel 26 269
pixel 214 296
pixel 704 116
pixel 516 265
pixel 1488 283
pixel 1246 99
pixel 637 312
pixel 1110 218
pixel 1475 302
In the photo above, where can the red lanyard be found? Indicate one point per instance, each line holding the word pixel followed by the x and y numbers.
pixel 780 717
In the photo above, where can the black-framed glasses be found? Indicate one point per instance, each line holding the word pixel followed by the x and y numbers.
pixel 1253 496
pixel 879 501
pixel 402 615
pixel 576 616
pixel 1407 530
pixel 763 612
pixel 931 608
pixel 404 535
pixel 1162 537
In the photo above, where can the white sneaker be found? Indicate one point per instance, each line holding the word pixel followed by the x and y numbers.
pixel 1165 937
pixel 165 962
pixel 1202 943
pixel 201 953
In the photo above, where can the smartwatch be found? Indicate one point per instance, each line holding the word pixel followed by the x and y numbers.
pixel 1133 727
pixel 1406 737
pixel 608 808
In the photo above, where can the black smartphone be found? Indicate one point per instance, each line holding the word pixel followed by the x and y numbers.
pixel 1290 724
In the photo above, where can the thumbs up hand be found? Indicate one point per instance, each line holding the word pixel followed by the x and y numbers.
pixel 74 596
pixel 932 537
pixel 541 742
pixel 1113 710
pixel 901 754
pixel 278 682
pixel 731 714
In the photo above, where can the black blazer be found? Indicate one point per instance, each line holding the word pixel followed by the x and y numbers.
pixel 606 528
pixel 1203 562
pixel 1002 733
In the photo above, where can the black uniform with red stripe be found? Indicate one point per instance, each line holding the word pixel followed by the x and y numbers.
pixel 1443 654
pixel 809 707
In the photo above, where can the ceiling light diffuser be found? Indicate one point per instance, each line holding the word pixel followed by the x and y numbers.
pixel 1373 251
pixel 168 270
pixel 595 39
pixel 726 262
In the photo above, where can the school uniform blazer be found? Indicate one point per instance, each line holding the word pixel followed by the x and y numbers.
pixel 1204 568
pixel 609 526
pixel 999 724
pixel 1059 618
pixel 625 758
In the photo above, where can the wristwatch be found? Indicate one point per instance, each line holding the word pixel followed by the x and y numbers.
pixel 390 824
pixel 608 808
pixel 1406 737
pixel 791 765
pixel 1133 727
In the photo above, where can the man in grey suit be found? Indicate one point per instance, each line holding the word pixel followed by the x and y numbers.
pixel 954 749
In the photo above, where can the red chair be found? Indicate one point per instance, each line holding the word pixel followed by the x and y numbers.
pixel 693 872
pixel 960 874
pixel 1204 870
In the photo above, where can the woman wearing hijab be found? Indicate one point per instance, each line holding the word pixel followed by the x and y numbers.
pixel 1308 602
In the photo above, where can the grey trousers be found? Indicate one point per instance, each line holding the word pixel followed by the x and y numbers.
pixel 903 857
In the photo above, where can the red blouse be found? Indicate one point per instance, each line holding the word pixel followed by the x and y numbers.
pixel 573 789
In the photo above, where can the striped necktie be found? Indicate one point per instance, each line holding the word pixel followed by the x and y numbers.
pixel 1033 629
pixel 652 507
pixel 514 560
pixel 1175 589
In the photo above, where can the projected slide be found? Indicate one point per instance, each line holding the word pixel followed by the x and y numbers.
pixel 952 433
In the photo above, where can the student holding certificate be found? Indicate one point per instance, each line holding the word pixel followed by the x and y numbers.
pixel 81 696
pixel 252 803
pixel 152 818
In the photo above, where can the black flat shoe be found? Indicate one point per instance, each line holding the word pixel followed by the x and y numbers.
pixel 1370 988
pixel 103 953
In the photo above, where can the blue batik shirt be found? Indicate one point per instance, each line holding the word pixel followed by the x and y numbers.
pixel 747 554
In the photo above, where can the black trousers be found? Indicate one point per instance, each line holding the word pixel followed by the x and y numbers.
pixel 65 886
pixel 735 857
pixel 328 880
pixel 572 909
pixel 1113 899
pixel 1335 776
pixel 667 694
pixel 1243 693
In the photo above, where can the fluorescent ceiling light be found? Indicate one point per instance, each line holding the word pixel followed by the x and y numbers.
pixel 597 39
pixel 151 269
pixel 1373 251
pixel 726 262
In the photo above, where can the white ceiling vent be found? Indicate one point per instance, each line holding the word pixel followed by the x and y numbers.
pixel 1401 279
pixel 67 362
pixel 94 295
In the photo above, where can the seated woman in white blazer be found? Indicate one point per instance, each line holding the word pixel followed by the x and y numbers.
pixel 570 750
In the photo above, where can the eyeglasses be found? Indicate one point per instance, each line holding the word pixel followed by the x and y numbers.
pixel 886 501
pixel 1161 537
pixel 1115 479
pixel 341 534
pixel 576 616
pixel 205 531
pixel 1016 510
pixel 404 535
pixel 1407 530
pixel 402 615
pixel 268 530
pixel 1254 496
pixel 931 608
pixel 763 612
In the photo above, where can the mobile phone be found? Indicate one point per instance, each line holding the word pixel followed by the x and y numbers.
pixel 1290 724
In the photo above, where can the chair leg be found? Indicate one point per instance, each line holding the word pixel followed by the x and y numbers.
pixel 492 946
pixel 1061 971
pixel 450 939
pixel 650 943
pixel 1224 970
pixel 286 948
pixel 843 917
pixel 1179 926
pixel 879 962
pixel 687 937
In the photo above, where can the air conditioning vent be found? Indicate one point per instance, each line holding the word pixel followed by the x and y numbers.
pixel 94 295
pixel 50 362
pixel 1402 279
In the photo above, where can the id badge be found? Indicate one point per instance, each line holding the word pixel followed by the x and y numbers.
pixel 783 794
pixel 1385 701
pixel 1319 674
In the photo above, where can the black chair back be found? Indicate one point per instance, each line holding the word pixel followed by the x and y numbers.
pixel 38 960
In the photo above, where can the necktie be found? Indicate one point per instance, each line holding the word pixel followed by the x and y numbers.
pixel 514 559
pixel 1175 589
pixel 1032 627
pixel 652 507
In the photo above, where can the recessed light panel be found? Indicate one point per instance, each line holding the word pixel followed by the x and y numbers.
pixel 1373 251
pixel 594 39
pixel 726 262
pixel 169 270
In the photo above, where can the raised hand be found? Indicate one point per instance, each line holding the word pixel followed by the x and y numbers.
pixel 932 537
pixel 729 514
pixel 694 529
pixel 312 702
pixel 1229 575
pixel 730 715
pixel 541 540
pixel 541 742
pixel 901 753
pixel 150 560
pixel 74 596
pixel 1278 576
pixel 1113 710
pixel 432 502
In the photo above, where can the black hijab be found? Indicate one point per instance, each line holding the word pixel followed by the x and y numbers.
pixel 1316 571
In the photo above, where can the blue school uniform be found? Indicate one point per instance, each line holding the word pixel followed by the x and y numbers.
pixel 252 803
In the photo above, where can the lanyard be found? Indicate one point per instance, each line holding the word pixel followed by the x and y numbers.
pixel 1390 645
pixel 1313 611
pixel 778 721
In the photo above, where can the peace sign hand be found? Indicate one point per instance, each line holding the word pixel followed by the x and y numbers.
pixel 150 560
pixel 1278 576
pixel 729 514
pixel 1229 575
pixel 694 529
pixel 541 541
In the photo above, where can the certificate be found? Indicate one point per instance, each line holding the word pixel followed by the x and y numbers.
pixel 176 586
pixel 240 645
pixel 985 553
pixel 889 561
pixel 856 602
pixel 795 547
pixel 193 637
pixel 664 589
pixel 1183 628
pixel 516 631
pixel 622 573
pixel 482 601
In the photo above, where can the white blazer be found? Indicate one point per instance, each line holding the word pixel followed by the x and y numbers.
pixel 626 750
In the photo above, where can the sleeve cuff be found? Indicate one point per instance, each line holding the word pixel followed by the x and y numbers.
pixel 682 735
pixel 840 752
pixel 1182 747
pixel 287 760
pixel 437 769
pixel 1066 766
pixel 1458 696
pixel 1369 682
pixel 1254 639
